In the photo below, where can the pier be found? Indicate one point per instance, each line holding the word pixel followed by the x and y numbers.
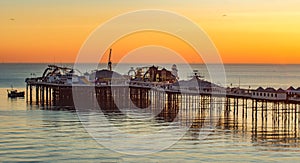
pixel 272 121
pixel 142 94
pixel 226 108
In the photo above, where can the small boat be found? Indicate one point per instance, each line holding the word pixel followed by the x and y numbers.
pixel 14 93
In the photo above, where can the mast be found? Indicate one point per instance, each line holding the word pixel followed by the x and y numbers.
pixel 109 61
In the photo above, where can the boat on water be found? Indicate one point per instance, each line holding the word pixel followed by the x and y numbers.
pixel 12 93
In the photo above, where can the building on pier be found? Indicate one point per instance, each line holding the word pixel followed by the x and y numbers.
pixel 153 74
pixel 197 84
pixel 269 94
pixel 175 71
pixel 54 74
pixel 292 92
pixel 238 91
pixel 107 77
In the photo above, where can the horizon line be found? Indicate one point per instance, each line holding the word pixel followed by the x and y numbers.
pixel 148 63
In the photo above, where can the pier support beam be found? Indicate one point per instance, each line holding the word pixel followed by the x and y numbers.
pixel 37 94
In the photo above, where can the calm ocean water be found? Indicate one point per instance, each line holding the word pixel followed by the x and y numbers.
pixel 238 75
pixel 31 133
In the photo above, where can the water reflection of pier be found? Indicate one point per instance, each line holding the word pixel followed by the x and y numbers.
pixel 269 122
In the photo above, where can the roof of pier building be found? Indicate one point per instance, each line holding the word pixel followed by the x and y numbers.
pixel 291 88
pixel 260 89
pixel 270 90
pixel 193 83
pixel 108 75
pixel 280 90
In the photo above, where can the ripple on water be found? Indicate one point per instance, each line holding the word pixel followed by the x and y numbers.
pixel 42 135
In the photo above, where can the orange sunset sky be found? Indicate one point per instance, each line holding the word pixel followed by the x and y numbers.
pixel 244 31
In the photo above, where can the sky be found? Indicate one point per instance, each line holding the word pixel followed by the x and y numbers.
pixel 248 31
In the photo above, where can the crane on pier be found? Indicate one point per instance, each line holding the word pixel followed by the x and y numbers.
pixel 109 61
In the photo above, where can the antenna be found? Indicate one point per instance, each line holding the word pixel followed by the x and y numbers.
pixel 109 61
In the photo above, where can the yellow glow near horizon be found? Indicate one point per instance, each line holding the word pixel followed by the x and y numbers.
pixel 248 31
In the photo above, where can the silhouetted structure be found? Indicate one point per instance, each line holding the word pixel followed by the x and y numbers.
pixel 154 74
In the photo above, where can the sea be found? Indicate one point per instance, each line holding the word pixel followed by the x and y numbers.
pixel 36 134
